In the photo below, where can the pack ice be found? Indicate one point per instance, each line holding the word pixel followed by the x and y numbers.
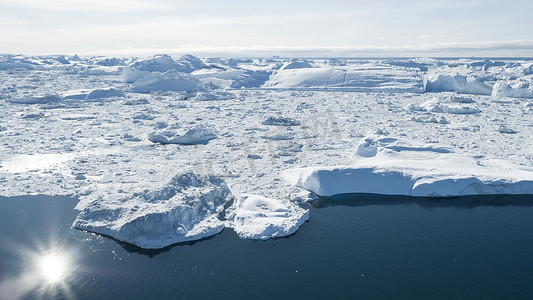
pixel 392 166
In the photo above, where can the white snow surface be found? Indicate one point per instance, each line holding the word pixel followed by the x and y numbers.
pixel 391 166
pixel 184 209
pixel 260 218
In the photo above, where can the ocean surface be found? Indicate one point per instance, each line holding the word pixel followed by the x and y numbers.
pixel 352 247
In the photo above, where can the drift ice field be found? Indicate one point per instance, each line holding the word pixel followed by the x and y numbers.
pixel 161 150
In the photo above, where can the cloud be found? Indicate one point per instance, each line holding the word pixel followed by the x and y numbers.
pixel 84 5
pixel 506 48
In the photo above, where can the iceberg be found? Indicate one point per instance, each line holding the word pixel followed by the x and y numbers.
pixel 363 78
pixel 391 166
pixel 165 82
pixel 519 88
pixel 184 209
pixel 461 84
pixel 198 134
pixel 260 218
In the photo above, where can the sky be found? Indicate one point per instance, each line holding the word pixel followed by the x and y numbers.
pixel 241 28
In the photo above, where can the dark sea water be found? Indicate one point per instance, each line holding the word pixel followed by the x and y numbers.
pixel 353 247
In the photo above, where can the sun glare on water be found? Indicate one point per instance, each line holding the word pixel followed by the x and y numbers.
pixel 53 267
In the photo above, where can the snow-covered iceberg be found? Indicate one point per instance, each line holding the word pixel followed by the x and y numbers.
pixel 461 84
pixel 184 209
pixel 260 218
pixel 165 82
pixel 353 78
pixel 519 88
pixel 391 166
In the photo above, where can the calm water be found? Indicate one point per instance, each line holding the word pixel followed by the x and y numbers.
pixel 353 247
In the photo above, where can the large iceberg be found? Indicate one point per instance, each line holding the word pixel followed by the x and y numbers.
pixel 184 209
pixel 391 166
pixel 352 78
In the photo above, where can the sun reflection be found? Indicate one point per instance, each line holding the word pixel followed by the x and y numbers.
pixel 53 267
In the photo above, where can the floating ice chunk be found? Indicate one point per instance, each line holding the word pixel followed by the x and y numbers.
pixel 505 129
pixel 449 82
pixel 199 134
pixel 184 209
pixel 461 110
pixel 13 64
pixel 415 107
pixel 519 88
pixel 105 93
pixel 110 62
pixel 210 96
pixel 279 136
pixel 280 121
pixel 168 81
pixel 297 64
pixel 142 116
pixel 366 148
pixel 193 62
pixel 237 78
pixel 36 99
pixel 95 94
pixel 259 218
pixel 416 170
pixel 451 108
pixel 159 63
pixel 130 75
pixel 459 99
